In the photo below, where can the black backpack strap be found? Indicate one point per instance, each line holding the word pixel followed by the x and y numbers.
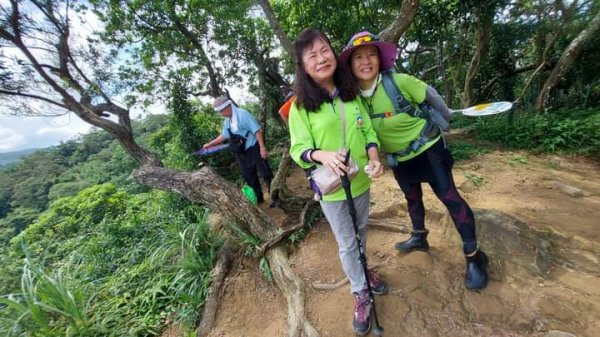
pixel 400 103
pixel 231 134
pixel 431 128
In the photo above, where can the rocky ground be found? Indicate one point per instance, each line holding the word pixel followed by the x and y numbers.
pixel 538 219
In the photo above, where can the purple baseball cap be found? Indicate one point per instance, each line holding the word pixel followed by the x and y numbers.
pixel 387 51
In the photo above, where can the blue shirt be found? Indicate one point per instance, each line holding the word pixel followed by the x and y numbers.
pixel 246 123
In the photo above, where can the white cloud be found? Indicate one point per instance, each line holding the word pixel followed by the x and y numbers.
pixel 38 132
pixel 10 139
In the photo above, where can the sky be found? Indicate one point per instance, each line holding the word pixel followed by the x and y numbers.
pixel 19 133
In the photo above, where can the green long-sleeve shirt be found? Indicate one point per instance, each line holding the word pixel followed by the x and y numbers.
pixel 322 130
pixel 397 131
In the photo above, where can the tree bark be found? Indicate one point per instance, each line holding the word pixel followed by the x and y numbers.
pixel 274 23
pixel 405 17
pixel 485 21
pixel 280 195
pixel 567 59
pixel 293 290
pixel 219 273
pixel 208 188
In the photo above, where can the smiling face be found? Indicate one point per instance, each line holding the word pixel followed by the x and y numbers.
pixel 364 62
pixel 318 61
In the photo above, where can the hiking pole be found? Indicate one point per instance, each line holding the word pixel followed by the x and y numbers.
pixel 378 329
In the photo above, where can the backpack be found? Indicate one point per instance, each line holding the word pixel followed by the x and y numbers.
pixel 436 122
pixel 237 143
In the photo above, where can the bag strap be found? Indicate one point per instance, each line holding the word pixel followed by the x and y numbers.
pixel 400 103
pixel 343 122
pixel 237 134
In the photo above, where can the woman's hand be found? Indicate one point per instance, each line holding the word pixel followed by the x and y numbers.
pixel 333 160
pixel 374 169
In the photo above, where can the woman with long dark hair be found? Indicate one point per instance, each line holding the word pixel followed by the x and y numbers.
pixel 326 102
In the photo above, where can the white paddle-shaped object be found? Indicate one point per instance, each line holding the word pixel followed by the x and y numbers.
pixel 485 109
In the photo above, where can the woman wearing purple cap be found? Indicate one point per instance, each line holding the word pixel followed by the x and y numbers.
pixel 415 146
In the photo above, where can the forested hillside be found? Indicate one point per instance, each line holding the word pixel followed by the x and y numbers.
pixel 11 157
pixel 109 234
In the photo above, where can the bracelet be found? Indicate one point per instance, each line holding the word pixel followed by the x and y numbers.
pixel 310 152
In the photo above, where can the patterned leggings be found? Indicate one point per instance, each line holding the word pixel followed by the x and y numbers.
pixel 444 188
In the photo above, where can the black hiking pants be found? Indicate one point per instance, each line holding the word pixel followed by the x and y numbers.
pixel 251 163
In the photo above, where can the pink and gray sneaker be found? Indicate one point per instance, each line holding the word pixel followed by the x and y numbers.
pixel 378 286
pixel 362 312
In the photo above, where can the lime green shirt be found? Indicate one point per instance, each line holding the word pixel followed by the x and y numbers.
pixel 322 130
pixel 397 131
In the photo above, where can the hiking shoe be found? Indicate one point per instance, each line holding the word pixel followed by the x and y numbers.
pixel 378 286
pixel 362 313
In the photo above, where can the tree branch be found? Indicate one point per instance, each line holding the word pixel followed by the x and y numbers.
pixel 274 23
pixel 405 17
pixel 41 98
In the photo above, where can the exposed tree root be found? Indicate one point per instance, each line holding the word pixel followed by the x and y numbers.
pixel 211 306
pixel 387 226
pixel 304 219
pixel 292 288
pixel 344 279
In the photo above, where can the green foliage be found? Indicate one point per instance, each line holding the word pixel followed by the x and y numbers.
pixel 476 179
pixel 518 160
pixel 265 269
pixel 462 150
pixel 568 131
pixel 131 262
pixel 251 242
pixel 16 222
pixel 203 125
pixel 64 170
pixel 338 19
pixel 301 233
pixel 187 135
pixel 45 302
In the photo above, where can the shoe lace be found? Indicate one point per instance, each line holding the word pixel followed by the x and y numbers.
pixel 362 305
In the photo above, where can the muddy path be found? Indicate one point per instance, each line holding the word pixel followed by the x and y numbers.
pixel 538 219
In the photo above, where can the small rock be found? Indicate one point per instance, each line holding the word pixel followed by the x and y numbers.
pixel 568 189
pixel 467 187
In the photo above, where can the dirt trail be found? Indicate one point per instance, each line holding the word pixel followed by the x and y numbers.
pixel 538 220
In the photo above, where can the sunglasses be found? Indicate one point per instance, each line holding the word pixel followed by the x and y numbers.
pixel 364 39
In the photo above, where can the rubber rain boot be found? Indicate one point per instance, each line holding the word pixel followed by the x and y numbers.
pixel 417 241
pixel 476 276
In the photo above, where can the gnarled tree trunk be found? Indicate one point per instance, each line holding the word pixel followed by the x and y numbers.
pixel 207 187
